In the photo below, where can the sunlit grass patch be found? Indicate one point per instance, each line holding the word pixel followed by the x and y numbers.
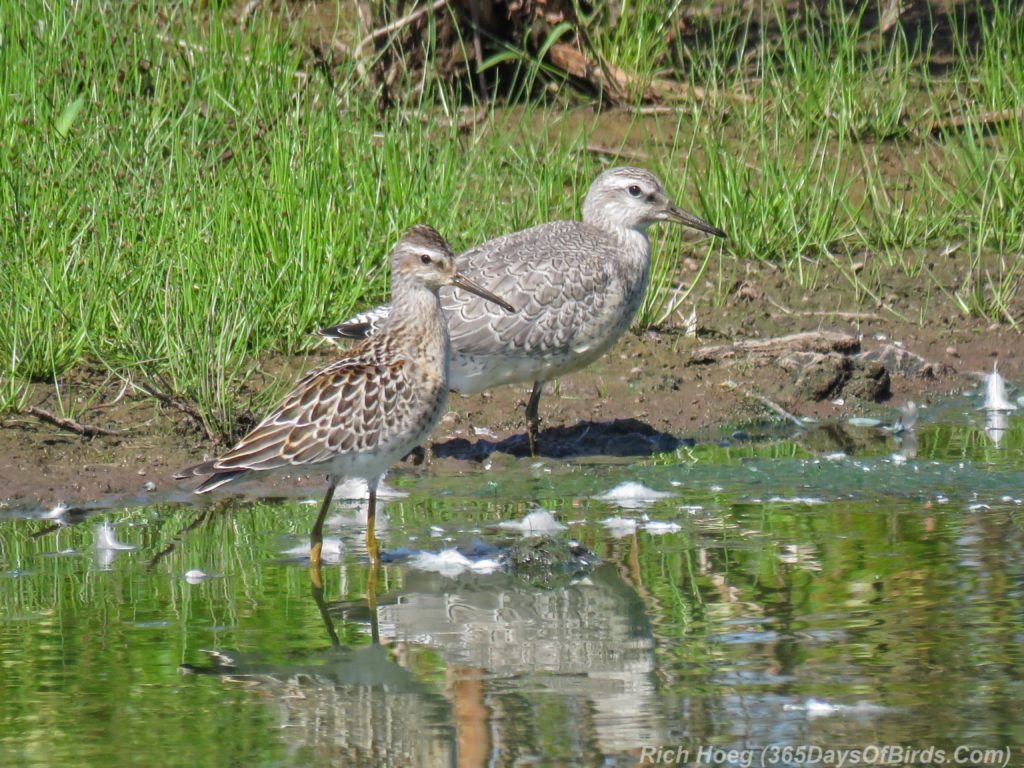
pixel 182 193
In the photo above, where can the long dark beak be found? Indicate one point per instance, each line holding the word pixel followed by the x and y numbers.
pixel 463 282
pixel 680 216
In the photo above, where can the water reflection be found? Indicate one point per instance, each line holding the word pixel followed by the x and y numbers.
pixel 346 706
pixel 996 425
pixel 589 641
pixel 856 587
pixel 503 643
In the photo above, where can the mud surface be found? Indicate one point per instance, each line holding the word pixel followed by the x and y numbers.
pixel 653 392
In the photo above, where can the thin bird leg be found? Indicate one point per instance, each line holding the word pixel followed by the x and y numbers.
pixel 532 420
pixel 316 536
pixel 371 515
pixel 325 615
pixel 371 604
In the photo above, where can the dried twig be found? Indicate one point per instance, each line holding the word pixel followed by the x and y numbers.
pixel 180 405
pixel 125 386
pixel 617 82
pixel 70 425
pixel 663 109
pixel 395 25
pixel 621 152
pixel 838 314
pixel 734 387
pixel 810 341
pixel 891 15
pixel 981 120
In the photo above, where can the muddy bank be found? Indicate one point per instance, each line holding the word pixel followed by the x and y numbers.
pixel 652 392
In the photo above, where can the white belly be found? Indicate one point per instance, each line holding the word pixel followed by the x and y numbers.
pixel 475 373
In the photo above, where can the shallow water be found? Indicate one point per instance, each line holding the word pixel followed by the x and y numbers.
pixel 834 589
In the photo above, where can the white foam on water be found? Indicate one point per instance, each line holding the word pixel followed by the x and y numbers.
pixel 330 551
pixel 632 495
pixel 660 527
pixel 451 562
pixel 619 526
pixel 536 523
pixel 105 539
pixel 819 708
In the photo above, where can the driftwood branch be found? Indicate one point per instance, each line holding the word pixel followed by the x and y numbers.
pixel 69 425
pixel 981 120
pixel 617 82
pixel 811 341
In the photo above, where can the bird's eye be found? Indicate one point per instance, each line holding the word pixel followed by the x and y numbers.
pixel 425 258
pixel 634 190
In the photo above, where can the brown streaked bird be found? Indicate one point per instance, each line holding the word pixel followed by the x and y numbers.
pixel 357 416
pixel 576 284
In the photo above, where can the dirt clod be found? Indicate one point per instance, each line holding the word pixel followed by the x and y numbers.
pixel 822 378
pixel 869 381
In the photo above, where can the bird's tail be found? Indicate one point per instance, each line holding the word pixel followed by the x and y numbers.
pixel 361 326
pixel 215 477
pixel 357 331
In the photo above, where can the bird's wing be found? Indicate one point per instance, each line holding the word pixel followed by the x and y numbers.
pixel 347 406
pixel 556 275
pixel 360 326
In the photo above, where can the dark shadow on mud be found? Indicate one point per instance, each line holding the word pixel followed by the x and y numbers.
pixel 621 437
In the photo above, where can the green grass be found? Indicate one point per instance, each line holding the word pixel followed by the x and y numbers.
pixel 181 195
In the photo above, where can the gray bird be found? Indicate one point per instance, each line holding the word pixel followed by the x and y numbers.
pixel 576 286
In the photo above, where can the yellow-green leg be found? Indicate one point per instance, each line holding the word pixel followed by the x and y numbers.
pixel 532 419
pixel 372 549
pixel 321 604
pixel 316 536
